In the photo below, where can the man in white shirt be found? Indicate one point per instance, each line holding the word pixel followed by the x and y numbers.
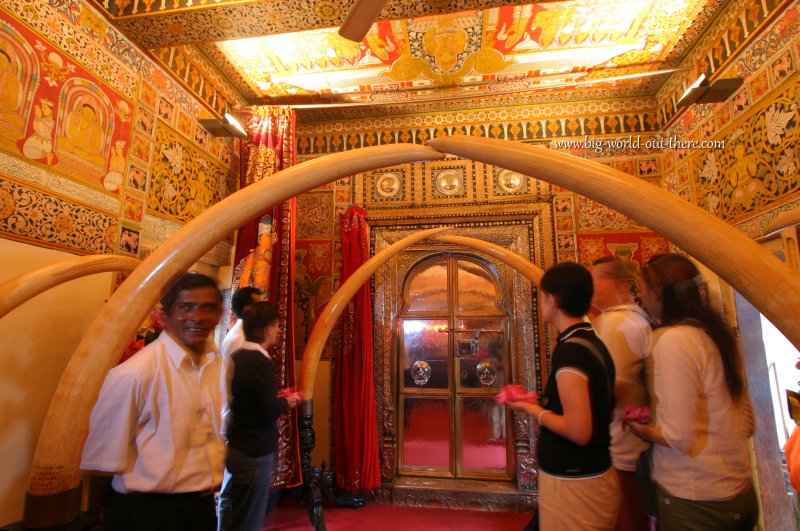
pixel 156 425
pixel 625 329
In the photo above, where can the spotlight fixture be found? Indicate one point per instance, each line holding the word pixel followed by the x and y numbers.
pixel 702 91
pixel 230 126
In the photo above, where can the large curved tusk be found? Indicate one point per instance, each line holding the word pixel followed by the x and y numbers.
pixel 55 473
pixel 782 221
pixel 517 262
pixel 335 307
pixel 20 289
pixel 768 283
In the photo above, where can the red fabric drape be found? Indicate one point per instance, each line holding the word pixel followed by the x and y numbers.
pixel 355 418
pixel 264 259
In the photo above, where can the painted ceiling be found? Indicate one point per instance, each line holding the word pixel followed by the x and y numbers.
pixel 288 51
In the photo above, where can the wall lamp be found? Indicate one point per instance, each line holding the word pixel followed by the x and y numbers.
pixel 702 91
pixel 229 126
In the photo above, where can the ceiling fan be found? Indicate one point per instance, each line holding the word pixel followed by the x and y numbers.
pixel 361 17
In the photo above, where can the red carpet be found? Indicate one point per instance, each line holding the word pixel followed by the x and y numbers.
pixel 290 517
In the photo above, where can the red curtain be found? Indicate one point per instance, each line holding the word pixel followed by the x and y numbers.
pixel 265 259
pixel 355 423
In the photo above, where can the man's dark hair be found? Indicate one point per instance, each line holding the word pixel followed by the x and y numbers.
pixel 257 317
pixel 242 298
pixel 571 285
pixel 187 281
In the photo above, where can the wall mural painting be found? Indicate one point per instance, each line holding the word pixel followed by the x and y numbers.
pixel 317 219
pixel 634 247
pixel 314 286
pixel 760 160
pixel 19 71
pixel 594 216
pixel 57 114
pixel 184 180
pixel 31 215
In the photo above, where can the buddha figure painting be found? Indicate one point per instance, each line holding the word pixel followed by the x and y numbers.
pixel 39 144
pixel 82 134
pixel 10 91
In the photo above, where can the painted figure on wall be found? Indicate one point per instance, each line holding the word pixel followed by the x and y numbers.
pixel 744 178
pixel 113 179
pixel 40 144
pixel 83 135
pixel 10 91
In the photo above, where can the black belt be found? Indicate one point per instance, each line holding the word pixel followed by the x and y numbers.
pixel 193 494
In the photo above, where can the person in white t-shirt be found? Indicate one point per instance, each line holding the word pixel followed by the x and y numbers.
pixel 625 329
pixel 702 413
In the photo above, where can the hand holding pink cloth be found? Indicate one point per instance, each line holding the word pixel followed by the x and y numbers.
pixel 636 414
pixel 289 392
pixel 516 393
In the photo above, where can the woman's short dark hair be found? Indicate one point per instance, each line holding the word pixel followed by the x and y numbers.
pixel 257 317
pixel 187 281
pixel 571 285
pixel 684 300
pixel 242 299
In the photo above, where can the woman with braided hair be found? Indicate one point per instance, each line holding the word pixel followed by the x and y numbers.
pixel 702 415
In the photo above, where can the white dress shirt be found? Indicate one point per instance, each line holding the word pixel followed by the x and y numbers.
pixel 709 457
pixel 625 330
pixel 156 424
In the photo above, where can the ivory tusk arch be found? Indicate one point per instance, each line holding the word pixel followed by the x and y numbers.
pixel 333 310
pixel 53 495
pixel 20 289
pixel 772 286
pixel 335 307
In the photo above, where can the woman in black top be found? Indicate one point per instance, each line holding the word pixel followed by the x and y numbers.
pixel 253 433
pixel 577 484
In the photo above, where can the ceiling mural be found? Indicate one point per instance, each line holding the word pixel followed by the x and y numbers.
pixel 288 52
pixel 505 49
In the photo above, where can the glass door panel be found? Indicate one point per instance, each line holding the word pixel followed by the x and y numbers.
pixel 426 434
pixel 480 353
pixel 428 289
pixel 484 448
pixel 477 291
pixel 425 353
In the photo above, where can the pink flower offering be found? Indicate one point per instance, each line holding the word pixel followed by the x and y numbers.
pixel 636 414
pixel 516 393
pixel 289 392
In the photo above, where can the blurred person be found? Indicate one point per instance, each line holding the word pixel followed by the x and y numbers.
pixel 578 487
pixel 156 424
pixel 240 300
pixel 252 434
pixel 624 328
pixel 702 414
